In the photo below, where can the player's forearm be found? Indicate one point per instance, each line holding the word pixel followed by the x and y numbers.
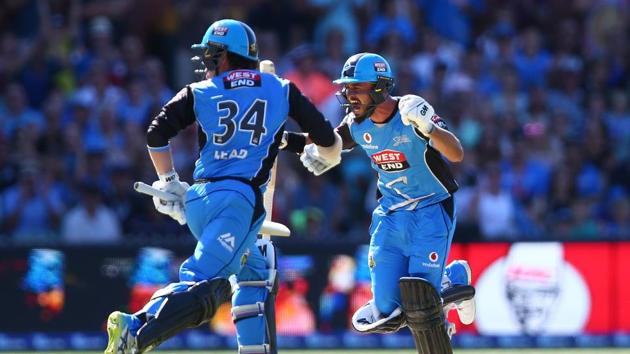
pixel 162 160
pixel 294 142
pixel 447 144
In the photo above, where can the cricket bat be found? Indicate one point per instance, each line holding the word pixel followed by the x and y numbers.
pixel 267 66
pixel 268 227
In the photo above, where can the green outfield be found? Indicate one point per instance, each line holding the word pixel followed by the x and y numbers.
pixel 407 351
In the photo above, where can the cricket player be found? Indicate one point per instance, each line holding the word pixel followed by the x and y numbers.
pixel 240 113
pixel 413 225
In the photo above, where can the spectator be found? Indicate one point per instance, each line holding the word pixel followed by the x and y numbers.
pixel 389 20
pixel 136 105
pixel 31 209
pixel 8 168
pixel 495 208
pixel 91 222
pixel 531 60
pixel 618 123
pixel 17 114
pixel 306 76
pixel 619 226
pixel 584 227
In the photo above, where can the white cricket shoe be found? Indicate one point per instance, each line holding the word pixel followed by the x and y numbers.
pixel 458 273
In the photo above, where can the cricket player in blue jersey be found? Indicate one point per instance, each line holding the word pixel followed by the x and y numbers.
pixel 413 225
pixel 240 113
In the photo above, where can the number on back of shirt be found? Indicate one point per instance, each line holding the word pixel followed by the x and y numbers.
pixel 252 122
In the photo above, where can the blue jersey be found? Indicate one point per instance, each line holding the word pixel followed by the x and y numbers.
pixel 411 173
pixel 241 116
pixel 241 113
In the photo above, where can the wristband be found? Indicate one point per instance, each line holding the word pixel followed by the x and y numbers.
pixel 168 177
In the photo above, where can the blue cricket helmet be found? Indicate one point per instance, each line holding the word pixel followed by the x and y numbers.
pixel 234 36
pixel 365 67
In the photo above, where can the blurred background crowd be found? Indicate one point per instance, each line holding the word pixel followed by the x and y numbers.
pixel 537 91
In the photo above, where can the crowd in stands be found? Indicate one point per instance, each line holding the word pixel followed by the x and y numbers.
pixel 537 91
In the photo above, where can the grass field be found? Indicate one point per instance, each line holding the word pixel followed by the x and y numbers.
pixel 407 351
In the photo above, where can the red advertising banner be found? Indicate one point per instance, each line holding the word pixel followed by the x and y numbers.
pixel 621 300
pixel 594 264
pixel 548 288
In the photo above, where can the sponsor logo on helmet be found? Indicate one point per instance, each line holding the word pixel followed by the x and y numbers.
pixel 367 137
pixel 380 67
pixel 390 160
pixel 241 78
pixel 220 31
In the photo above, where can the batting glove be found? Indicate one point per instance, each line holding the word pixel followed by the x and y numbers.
pixel 174 207
pixel 319 159
pixel 417 112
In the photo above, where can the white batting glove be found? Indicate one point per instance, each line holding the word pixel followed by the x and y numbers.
pixel 417 112
pixel 318 159
pixel 174 207
pixel 314 162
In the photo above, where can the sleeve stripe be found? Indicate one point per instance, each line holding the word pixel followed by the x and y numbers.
pixel 159 148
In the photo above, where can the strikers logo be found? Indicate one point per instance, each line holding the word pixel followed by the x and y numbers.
pixel 380 67
pixel 390 160
pixel 220 31
pixel 240 78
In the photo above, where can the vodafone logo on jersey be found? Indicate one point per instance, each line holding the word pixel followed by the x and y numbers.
pixel 390 160
pixel 367 137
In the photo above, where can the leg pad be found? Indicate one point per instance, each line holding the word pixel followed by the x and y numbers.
pixel 184 309
pixel 422 307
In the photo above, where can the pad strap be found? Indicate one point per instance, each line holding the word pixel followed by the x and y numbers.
pixel 254 349
pixel 247 311
pixel 458 293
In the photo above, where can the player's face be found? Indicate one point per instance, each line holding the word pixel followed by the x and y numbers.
pixel 358 96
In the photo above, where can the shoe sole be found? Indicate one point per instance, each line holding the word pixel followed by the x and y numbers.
pixel 114 332
pixel 466 310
